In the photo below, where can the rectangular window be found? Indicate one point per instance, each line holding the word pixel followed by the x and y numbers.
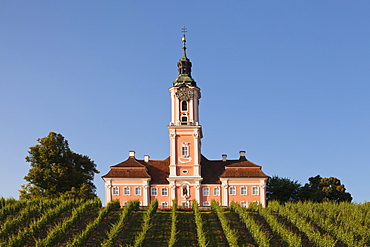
pixel 184 151
pixel 206 204
pixel 243 190
pixel 115 191
pixel 164 205
pixel 126 191
pixel 205 191
pixel 255 190
pixel 244 204
pixel 138 191
pixel 164 192
pixel 153 191
pixel 232 191
pixel 216 191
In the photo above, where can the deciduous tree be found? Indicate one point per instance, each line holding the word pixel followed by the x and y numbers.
pixel 56 170
pixel 282 189
pixel 324 189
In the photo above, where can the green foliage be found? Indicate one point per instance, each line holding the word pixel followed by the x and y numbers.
pixel 55 222
pixel 116 228
pixel 81 238
pixel 202 240
pixel 173 239
pixel 139 239
pixel 231 234
pixel 56 170
pixel 324 189
pixel 282 189
pixel 285 233
pixel 255 229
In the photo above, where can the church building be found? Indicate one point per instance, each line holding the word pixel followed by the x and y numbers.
pixel 186 174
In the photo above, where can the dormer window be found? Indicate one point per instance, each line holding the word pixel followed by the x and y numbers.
pixel 184 106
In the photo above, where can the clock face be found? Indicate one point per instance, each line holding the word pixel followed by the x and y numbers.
pixel 184 93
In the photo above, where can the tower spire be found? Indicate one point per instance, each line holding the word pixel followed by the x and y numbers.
pixel 184 65
pixel 184 30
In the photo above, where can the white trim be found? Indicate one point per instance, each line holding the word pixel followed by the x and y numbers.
pixel 166 189
pixel 219 191
pixel 140 191
pixel 206 189
pixel 254 193
pixel 115 191
pixel 246 190
pixel 152 189
pixel 125 191
pixel 234 188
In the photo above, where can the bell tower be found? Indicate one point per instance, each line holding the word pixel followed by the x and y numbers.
pixel 185 132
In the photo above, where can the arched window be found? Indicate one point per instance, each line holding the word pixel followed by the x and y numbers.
pixel 184 106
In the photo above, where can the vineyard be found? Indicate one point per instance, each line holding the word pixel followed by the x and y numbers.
pixel 86 223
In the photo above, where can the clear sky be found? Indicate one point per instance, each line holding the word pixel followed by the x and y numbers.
pixel 286 81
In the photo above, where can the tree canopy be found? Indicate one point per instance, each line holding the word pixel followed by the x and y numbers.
pixel 282 189
pixel 56 170
pixel 318 189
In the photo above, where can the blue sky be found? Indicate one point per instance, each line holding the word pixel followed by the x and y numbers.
pixel 287 81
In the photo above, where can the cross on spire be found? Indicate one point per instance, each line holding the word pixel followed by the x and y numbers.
pixel 184 31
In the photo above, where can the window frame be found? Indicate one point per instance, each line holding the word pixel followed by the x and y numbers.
pixel 164 189
pixel 126 191
pixel 218 191
pixel 232 189
pixel 115 191
pixel 255 190
pixel 206 191
pixel 244 190
pixel 137 191
pixel 184 103
pixel 154 191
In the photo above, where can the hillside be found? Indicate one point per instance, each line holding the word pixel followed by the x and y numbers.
pixel 85 223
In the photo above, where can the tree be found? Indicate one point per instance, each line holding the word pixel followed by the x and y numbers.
pixel 282 189
pixel 56 170
pixel 324 189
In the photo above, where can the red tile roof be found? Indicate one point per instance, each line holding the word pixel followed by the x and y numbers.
pixel 159 170
pixel 243 172
pixel 127 173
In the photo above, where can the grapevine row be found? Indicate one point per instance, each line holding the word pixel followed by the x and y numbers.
pixel 37 226
pixel 116 229
pixel 231 235
pixel 254 228
pixel 55 234
pixel 202 240
pixel 305 226
pixel 81 238
pixel 139 239
pixel 173 239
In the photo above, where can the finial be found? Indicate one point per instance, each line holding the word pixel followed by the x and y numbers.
pixel 184 31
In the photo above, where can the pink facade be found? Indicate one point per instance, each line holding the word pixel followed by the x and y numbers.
pixel 186 175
